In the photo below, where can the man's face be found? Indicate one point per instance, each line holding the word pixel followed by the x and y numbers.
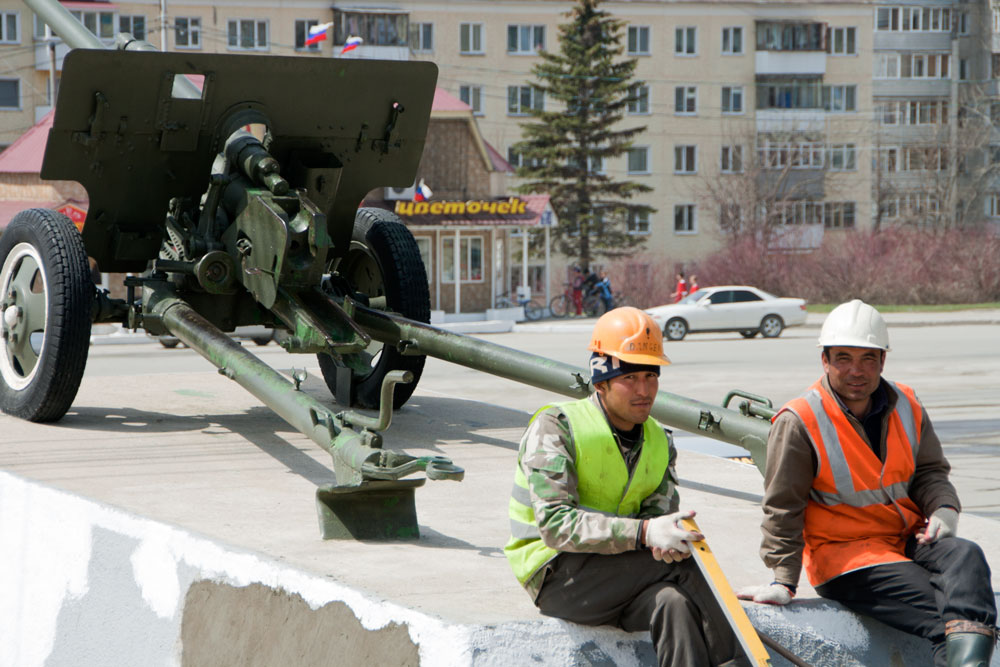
pixel 629 398
pixel 853 371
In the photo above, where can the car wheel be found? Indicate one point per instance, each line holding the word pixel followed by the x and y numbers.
pixel 168 342
pixel 749 333
pixel 675 329
pixel 771 326
pixel 261 340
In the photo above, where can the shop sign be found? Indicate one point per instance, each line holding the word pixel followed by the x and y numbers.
pixel 512 206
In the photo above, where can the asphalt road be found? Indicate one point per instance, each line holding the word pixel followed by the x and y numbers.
pixel 954 369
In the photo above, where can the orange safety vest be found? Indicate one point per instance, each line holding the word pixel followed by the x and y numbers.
pixel 859 512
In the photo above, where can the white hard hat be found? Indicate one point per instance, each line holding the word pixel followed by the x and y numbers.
pixel 854 324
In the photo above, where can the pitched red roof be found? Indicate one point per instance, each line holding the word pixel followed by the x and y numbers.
pixel 445 101
pixel 24 156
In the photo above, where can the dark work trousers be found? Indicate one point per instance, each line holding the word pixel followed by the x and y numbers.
pixel 947 580
pixel 634 591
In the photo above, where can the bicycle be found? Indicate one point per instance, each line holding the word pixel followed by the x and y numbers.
pixel 532 309
pixel 561 304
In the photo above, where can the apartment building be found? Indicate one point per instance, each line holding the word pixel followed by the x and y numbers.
pixel 818 103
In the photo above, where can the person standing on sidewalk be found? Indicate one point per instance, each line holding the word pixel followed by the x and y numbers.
pixel 682 288
pixel 595 529
pixel 856 491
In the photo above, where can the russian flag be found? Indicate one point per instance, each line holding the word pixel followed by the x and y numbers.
pixel 317 33
pixel 352 43
pixel 422 193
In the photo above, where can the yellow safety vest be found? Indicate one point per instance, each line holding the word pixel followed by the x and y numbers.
pixel 603 483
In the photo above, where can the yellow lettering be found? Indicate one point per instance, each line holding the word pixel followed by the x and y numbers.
pixel 421 208
pixel 404 208
pixel 473 207
pixel 436 208
pixel 490 207
pixel 518 206
pixel 454 207
pixel 503 208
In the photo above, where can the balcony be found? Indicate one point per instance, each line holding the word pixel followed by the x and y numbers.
pixel 791 120
pixel 791 62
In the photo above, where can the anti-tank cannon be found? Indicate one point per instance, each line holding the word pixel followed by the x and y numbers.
pixel 233 201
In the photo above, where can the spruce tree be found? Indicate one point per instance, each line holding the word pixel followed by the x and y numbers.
pixel 587 86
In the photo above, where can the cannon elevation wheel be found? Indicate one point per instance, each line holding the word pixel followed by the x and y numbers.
pixel 46 293
pixel 383 261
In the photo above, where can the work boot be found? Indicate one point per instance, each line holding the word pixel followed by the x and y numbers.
pixel 969 644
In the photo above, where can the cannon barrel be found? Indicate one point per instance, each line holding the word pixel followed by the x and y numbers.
pixel 670 409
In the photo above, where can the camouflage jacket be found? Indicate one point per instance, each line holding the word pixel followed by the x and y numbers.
pixel 548 461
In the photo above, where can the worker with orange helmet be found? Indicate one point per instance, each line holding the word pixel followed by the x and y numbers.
pixel 596 536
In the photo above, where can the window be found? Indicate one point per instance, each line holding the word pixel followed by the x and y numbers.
pixel 962 19
pixel 843 157
pixel 473 96
pixel 685 100
pixel 886 66
pixel 470 38
pixel 10 32
pixel 843 41
pixel 522 99
pixel 638 160
pixel 838 215
pixel 10 93
pixel 794 154
pixel 805 94
pixel 470 257
pixel 136 25
pixel 375 28
pixel 685 41
pixel 595 163
pixel 839 98
pixel 684 219
pixel 639 104
pixel 790 36
pixel 517 160
pixel 731 161
pixel 991 205
pixel 422 37
pixel 732 99
pixel 302 34
pixel 101 24
pixel 638 222
pixel 685 159
pixel 732 41
pixel 797 213
pixel 924 66
pixel 963 69
pixel 424 246
pixel 916 19
pixel 638 40
pixel 187 32
pixel 248 34
pixel 923 112
pixel 525 39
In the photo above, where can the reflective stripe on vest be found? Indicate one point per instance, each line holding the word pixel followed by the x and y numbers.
pixel 603 484
pixel 860 512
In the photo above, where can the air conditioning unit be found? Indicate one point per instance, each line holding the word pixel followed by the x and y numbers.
pixel 394 194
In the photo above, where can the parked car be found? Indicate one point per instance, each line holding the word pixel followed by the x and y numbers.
pixel 741 308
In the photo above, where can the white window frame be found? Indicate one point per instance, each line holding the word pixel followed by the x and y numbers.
pixel 686 41
pixel 841 91
pixel 637 150
pixel 536 101
pixel 736 97
pixel 842 157
pixel 637 34
pixel 521 32
pixel 258 25
pixel 639 107
pixel 420 31
pixel 305 24
pixel 638 223
pixel 466 242
pixel 7 21
pixel 424 244
pixel 685 159
pixel 126 23
pixel 473 36
pixel 193 30
pixel 688 214
pixel 729 39
pixel 848 41
pixel 687 97
pixel 20 93
pixel 731 159
pixel 886 66
pixel 836 214
pixel 991 205
pixel 103 22
pixel 472 94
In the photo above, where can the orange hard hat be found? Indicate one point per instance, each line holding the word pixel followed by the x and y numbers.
pixel 629 334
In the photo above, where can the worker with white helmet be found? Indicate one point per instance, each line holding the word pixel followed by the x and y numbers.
pixel 595 528
pixel 856 491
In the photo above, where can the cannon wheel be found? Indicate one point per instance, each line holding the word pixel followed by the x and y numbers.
pixel 46 294
pixel 383 261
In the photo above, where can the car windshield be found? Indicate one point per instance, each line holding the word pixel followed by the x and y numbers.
pixel 694 297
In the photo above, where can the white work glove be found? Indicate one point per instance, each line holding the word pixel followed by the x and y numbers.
pixel 773 593
pixel 943 523
pixel 668 539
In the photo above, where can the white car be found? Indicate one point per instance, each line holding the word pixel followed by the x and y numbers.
pixel 729 308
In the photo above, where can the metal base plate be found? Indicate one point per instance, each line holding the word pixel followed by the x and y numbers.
pixel 372 511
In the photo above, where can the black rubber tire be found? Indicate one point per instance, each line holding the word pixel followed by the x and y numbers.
pixel 749 333
pixel 44 244
pixel 532 311
pixel 675 329
pixel 771 326
pixel 593 306
pixel 559 306
pixel 383 261
pixel 168 342
pixel 261 340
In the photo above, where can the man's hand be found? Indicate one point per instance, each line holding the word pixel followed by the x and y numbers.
pixel 668 540
pixel 773 593
pixel 943 523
